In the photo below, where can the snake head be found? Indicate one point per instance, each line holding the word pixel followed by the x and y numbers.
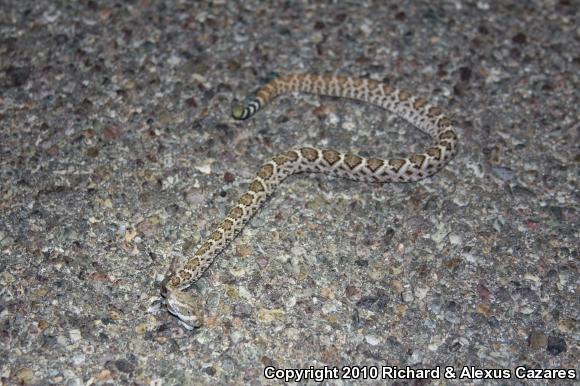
pixel 186 306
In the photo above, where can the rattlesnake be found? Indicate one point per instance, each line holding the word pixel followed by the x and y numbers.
pixel 428 118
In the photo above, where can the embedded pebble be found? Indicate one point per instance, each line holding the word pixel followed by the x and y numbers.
pixel 372 340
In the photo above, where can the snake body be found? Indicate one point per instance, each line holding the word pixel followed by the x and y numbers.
pixel 416 110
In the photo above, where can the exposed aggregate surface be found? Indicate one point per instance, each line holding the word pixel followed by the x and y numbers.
pixel 118 153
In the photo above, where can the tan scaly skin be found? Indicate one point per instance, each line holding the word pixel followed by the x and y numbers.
pixel 188 307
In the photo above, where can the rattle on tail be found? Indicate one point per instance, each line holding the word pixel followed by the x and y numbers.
pixel 428 118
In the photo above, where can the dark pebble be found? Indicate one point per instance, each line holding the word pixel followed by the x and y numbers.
pixel 520 38
pixel 124 365
pixel 356 322
pixel 17 76
pixel 48 342
pixel 351 291
pixel 210 370
pixel 362 263
pixel 224 130
pixel 465 74
pixel 341 17
pixel 319 25
pixel 373 303
pixel 522 191
pixel 191 102
pixel 388 236
pixel 455 347
pixel 367 302
pixel 556 345
pixel 229 177
pixel 92 152
pixel 267 361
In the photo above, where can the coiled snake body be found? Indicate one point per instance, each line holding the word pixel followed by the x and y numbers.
pixel 428 118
